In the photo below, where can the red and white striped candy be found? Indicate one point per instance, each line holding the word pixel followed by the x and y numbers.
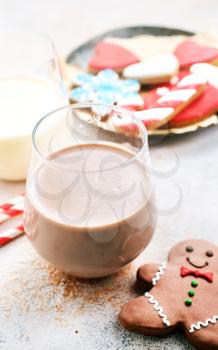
pixel 15 210
pixel 10 234
pixel 7 205
pixel 11 208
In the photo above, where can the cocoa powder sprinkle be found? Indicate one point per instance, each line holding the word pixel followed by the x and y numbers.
pixel 43 288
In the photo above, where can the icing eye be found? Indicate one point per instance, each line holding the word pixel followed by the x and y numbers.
pixel 209 253
pixel 189 249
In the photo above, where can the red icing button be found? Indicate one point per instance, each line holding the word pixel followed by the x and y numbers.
pixel 189 53
pixel 107 55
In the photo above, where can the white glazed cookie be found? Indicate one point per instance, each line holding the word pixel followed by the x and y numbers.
pixel 154 70
pixel 206 71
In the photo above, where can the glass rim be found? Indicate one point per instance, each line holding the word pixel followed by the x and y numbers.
pixel 74 106
pixel 20 30
pixel 17 30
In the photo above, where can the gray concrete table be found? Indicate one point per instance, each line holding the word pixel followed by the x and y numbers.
pixel 42 309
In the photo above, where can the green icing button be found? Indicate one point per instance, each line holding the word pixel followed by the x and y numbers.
pixel 194 283
pixel 191 293
pixel 188 302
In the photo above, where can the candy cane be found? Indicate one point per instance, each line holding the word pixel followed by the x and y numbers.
pixel 11 234
pixel 7 205
pixel 11 209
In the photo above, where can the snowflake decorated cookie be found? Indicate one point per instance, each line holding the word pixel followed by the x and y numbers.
pixel 181 294
pixel 106 88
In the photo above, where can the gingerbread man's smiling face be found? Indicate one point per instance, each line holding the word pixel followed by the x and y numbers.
pixel 195 254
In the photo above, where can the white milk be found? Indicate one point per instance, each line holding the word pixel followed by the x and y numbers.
pixel 24 100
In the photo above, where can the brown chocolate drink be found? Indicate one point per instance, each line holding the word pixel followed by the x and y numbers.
pixel 89 209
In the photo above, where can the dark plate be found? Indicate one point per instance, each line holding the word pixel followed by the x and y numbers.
pixel 81 55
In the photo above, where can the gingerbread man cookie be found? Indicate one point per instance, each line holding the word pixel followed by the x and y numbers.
pixel 181 294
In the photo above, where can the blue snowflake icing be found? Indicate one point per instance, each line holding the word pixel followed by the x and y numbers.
pixel 105 88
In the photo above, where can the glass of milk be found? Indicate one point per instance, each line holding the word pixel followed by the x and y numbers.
pixel 89 193
pixel 30 87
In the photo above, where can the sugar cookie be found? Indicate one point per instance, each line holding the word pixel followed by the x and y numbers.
pixel 156 69
pixel 161 111
pixel 189 52
pixel 198 110
pixel 108 55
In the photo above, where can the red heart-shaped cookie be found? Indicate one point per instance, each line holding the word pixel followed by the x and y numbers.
pixel 189 53
pixel 107 55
